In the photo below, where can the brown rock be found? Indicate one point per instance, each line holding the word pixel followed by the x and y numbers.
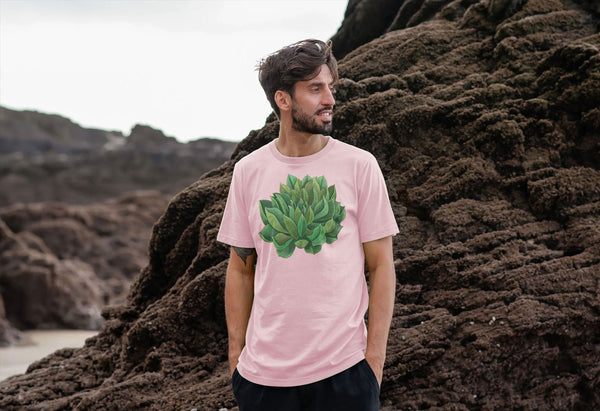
pixel 60 265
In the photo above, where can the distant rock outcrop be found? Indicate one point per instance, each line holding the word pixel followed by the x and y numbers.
pixel 484 118
pixel 60 265
pixel 9 335
pixel 49 158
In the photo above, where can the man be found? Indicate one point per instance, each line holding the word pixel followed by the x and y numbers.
pixel 303 214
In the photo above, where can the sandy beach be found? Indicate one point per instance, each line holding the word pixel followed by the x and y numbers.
pixel 15 360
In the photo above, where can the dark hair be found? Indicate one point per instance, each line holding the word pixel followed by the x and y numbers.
pixel 297 62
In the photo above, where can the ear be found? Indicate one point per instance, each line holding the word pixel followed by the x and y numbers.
pixel 283 99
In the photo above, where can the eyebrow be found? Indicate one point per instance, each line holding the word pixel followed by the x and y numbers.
pixel 320 83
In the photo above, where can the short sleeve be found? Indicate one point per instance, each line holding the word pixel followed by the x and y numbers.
pixel 375 215
pixel 235 229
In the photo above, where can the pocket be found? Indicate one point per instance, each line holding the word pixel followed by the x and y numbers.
pixel 371 373
pixel 235 381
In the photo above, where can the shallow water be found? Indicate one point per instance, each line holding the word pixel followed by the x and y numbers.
pixel 15 360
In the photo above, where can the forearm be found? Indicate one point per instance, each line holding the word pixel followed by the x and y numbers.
pixel 239 293
pixel 381 307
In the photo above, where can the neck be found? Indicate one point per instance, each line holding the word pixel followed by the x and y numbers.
pixel 292 143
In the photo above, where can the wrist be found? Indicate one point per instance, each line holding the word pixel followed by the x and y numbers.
pixel 374 358
pixel 234 353
pixel 375 354
pixel 233 361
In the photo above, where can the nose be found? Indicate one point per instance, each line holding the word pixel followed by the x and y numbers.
pixel 328 99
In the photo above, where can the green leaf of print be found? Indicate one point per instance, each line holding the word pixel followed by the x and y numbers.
pixel 301 243
pixel 297 214
pixel 309 193
pixel 319 206
pixel 281 239
pixel 336 230
pixel 301 226
pixel 324 193
pixel 315 196
pixel 291 181
pixel 263 205
pixel 295 197
pixel 275 202
pixel 275 218
pixel 290 226
pixel 330 239
pixel 312 249
pixel 287 199
pixel 339 217
pixel 287 249
pixel 323 211
pixel 329 226
pixel 317 232
pixel 310 216
pixel 267 233
pixel 308 185
pixel 322 182
pixel 319 240
pixel 331 192
pixel 305 180
pixel 336 209
pixel 284 189
pixel 330 212
pixel 280 201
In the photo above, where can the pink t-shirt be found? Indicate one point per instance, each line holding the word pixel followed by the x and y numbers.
pixel 307 218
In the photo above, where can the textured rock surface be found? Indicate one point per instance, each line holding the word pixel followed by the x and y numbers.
pixel 484 118
pixel 366 20
pixel 60 265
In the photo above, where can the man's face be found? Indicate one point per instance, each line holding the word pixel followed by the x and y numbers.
pixel 312 104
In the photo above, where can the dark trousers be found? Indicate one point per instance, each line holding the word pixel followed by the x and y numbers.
pixel 353 389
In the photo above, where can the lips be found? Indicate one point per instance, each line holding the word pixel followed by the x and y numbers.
pixel 325 114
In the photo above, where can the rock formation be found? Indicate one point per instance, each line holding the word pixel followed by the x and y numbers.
pixel 60 265
pixel 484 118
pixel 49 158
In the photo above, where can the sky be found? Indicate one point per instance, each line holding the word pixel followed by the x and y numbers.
pixel 186 67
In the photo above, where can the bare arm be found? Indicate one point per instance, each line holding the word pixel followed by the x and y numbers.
pixel 382 293
pixel 239 294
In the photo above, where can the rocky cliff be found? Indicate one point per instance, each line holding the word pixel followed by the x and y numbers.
pixel 49 158
pixel 484 118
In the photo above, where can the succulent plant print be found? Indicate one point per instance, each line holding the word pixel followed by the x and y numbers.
pixel 304 214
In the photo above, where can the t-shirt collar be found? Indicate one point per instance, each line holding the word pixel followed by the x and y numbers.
pixel 305 159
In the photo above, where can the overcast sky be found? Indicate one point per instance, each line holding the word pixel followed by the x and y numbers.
pixel 186 67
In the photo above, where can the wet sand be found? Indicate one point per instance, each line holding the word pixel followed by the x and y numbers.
pixel 15 360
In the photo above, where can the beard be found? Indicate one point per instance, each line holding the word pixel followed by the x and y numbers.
pixel 308 124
